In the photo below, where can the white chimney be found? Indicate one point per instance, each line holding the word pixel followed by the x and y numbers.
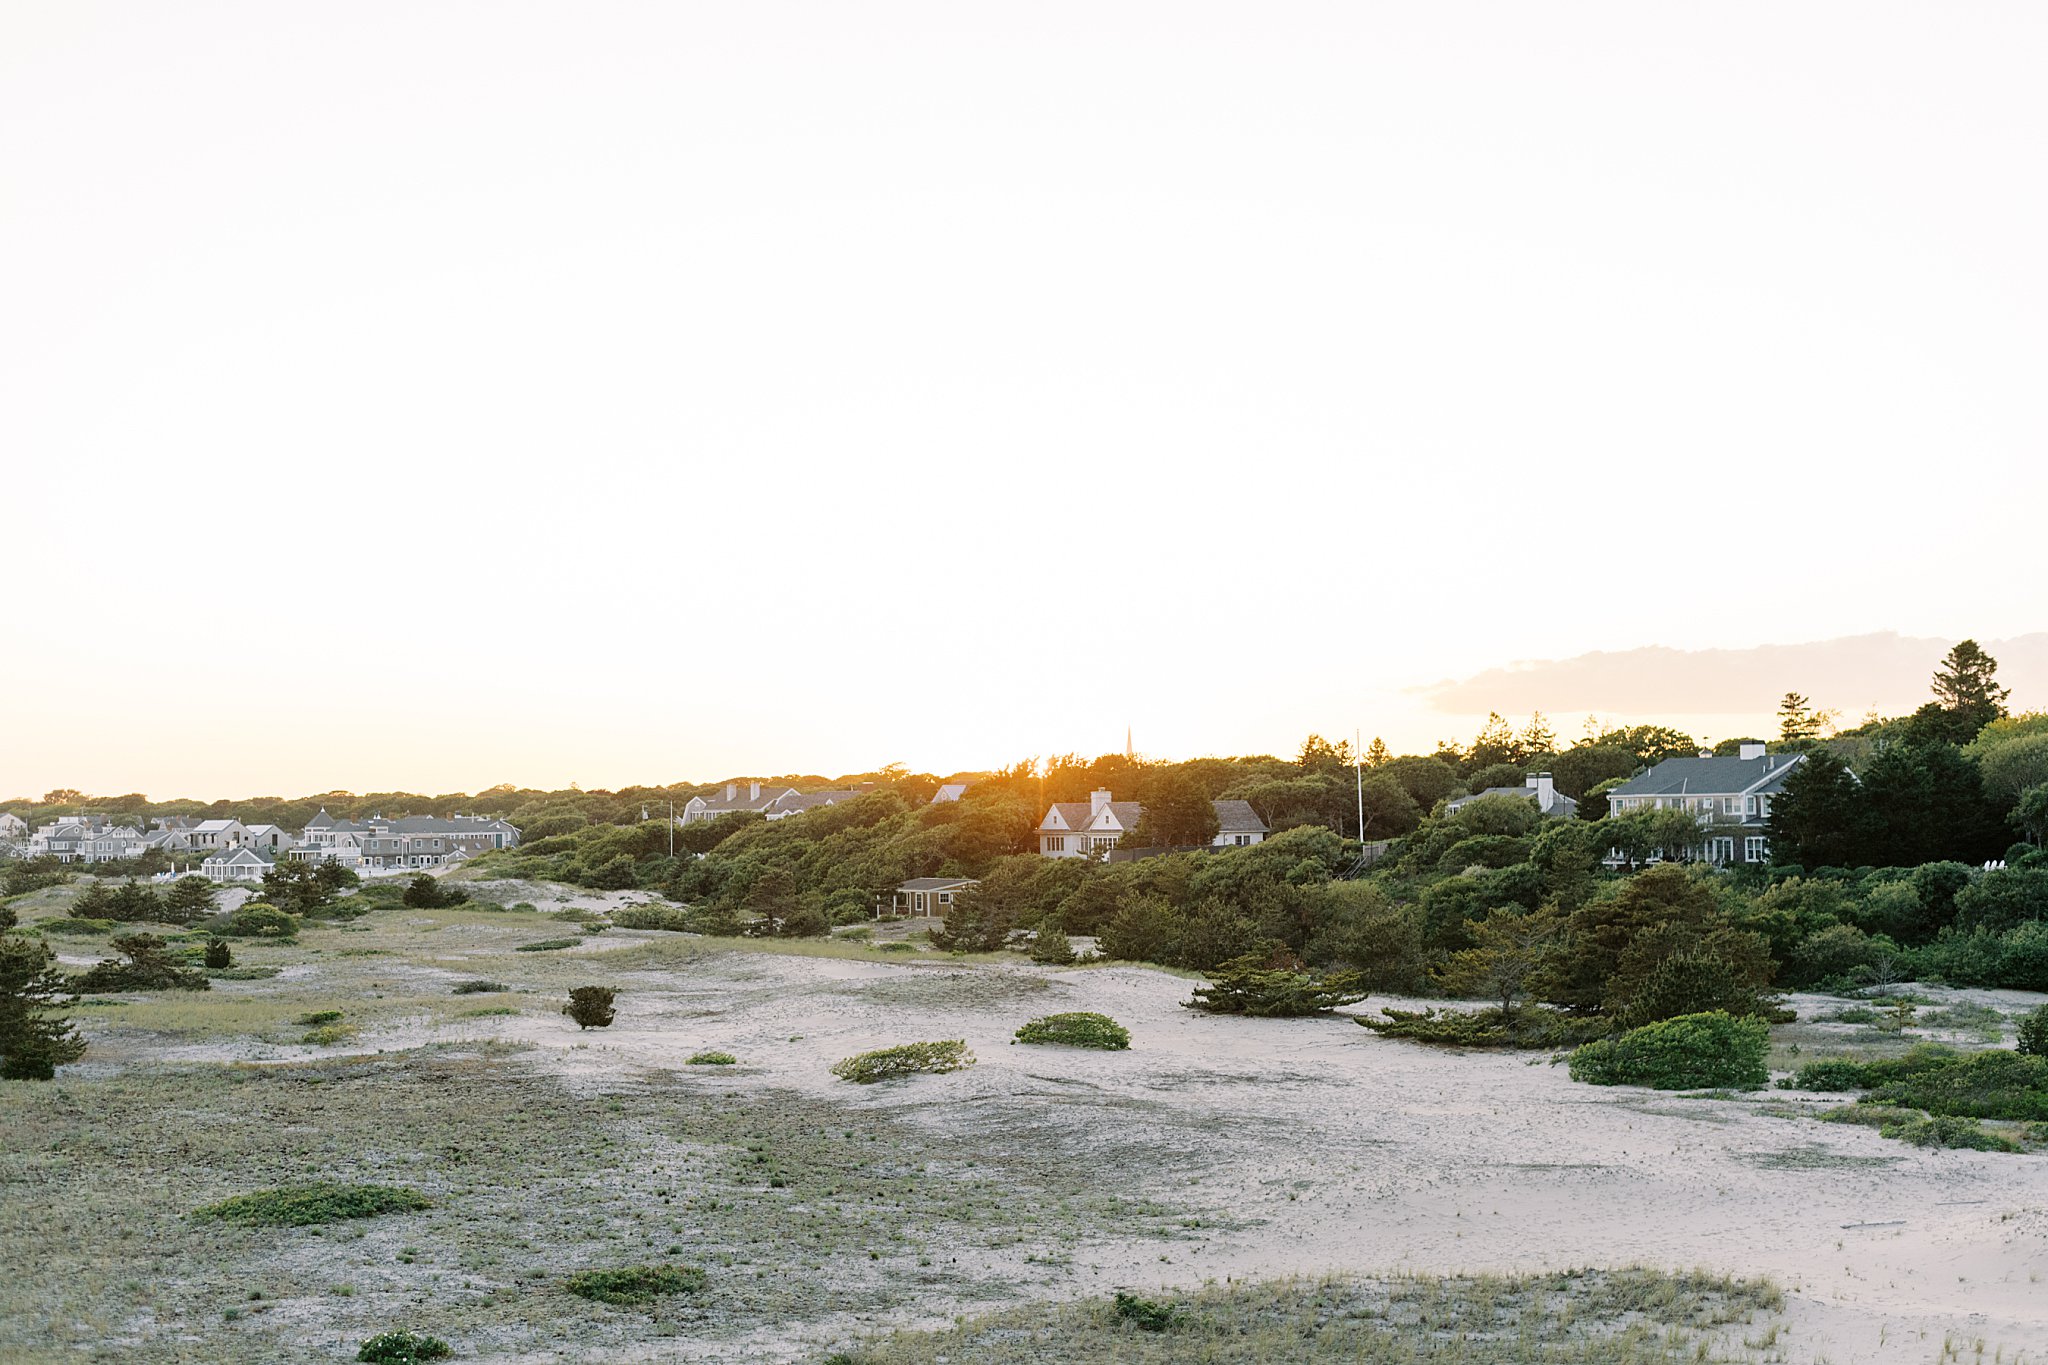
pixel 1544 788
pixel 732 791
pixel 1096 801
pixel 1749 751
pixel 753 791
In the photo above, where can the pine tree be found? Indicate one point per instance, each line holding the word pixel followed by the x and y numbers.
pixel 1537 739
pixel 189 899
pixel 1377 753
pixel 33 1042
pixel 1967 682
pixel 1796 718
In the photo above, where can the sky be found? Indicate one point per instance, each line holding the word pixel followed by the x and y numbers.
pixel 432 395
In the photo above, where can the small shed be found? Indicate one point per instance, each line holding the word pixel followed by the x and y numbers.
pixel 929 895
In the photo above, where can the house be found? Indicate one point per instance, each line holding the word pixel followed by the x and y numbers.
pixel 748 796
pixel 1549 799
pixel 1076 829
pixel 13 829
pixel 270 839
pixel 167 840
pixel 796 803
pixel 211 835
pixel 239 863
pixel 1731 797
pixel 410 841
pixel 112 844
pixel 64 840
pixel 929 895
pixel 949 791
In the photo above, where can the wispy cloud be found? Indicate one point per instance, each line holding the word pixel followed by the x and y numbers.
pixel 1887 671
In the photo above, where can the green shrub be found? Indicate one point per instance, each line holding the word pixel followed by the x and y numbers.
pixel 489 1011
pixel 1691 1052
pixel 1995 1084
pixel 897 947
pixel 2034 1033
pixel 909 1059
pixel 305 1205
pixel 671 917
pixel 547 945
pixel 479 987
pixel 591 1006
pixel 403 1348
pixel 709 1058
pixel 1143 1314
pixel 1833 1073
pixel 319 1017
pixel 1077 1029
pixel 1948 1131
pixel 430 893
pixel 328 1035
pixel 244 973
pixel 636 1284
pixel 1252 985
pixel 218 955
pixel 1051 947
pixel 258 919
pixel 1532 1026
pixel 151 966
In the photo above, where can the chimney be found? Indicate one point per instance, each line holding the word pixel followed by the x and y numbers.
pixel 753 791
pixel 1749 751
pixel 1544 788
pixel 1096 801
pixel 732 791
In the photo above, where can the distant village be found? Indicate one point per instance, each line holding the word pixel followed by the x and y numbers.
pixel 226 850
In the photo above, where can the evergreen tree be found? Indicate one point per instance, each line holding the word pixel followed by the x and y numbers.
pixel 1376 752
pixel 33 1041
pixel 189 899
pixel 1797 719
pixel 1966 681
pixel 1537 739
pixel 1494 744
pixel 1821 819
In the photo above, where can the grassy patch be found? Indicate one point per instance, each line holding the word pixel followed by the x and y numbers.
pixel 547 945
pixel 634 1285
pixel 304 1205
pixel 1079 1028
pixel 480 987
pixel 709 1058
pixel 1624 1317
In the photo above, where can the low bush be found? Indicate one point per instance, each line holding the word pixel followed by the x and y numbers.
pixel 319 1017
pixel 306 1205
pixel 2034 1033
pixel 670 917
pixel 1993 1084
pixel 897 947
pixel 244 973
pixel 591 1006
pixel 328 1035
pixel 1077 1029
pixel 218 954
pixel 403 1348
pixel 1532 1026
pixel 1948 1131
pixel 479 987
pixel 430 893
pixel 637 1284
pixel 910 1059
pixel 489 1011
pixel 150 966
pixel 1255 985
pixel 709 1058
pixel 1690 1052
pixel 1051 947
pixel 1144 1314
pixel 258 919
pixel 547 945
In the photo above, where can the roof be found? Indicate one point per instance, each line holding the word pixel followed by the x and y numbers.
pixel 1558 803
pixel 949 791
pixel 1075 813
pixel 213 826
pixel 241 853
pixel 937 883
pixel 1712 777
pixel 804 801
pixel 320 821
pixel 1237 817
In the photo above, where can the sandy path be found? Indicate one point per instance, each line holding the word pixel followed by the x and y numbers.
pixel 1323 1147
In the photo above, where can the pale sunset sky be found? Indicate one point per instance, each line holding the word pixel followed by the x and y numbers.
pixel 430 395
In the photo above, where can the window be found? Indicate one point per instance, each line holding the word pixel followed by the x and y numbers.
pixel 1720 850
pixel 1749 806
pixel 945 898
pixel 1055 843
pixel 1731 805
pixel 1756 849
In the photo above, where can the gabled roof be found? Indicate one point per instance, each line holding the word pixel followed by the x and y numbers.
pixel 1712 777
pixel 320 821
pixel 936 883
pixel 213 826
pixel 1126 814
pixel 806 800
pixel 1073 815
pixel 241 853
pixel 1237 817
pixel 949 791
